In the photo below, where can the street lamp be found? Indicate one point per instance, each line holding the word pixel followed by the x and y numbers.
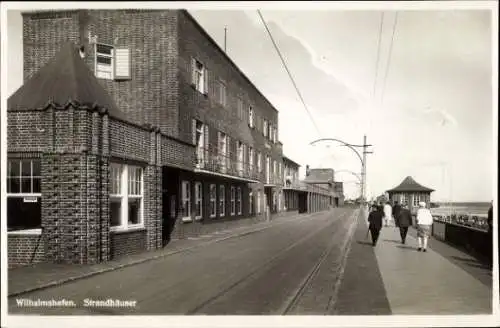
pixel 361 158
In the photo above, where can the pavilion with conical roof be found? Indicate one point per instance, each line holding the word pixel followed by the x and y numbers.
pixel 410 192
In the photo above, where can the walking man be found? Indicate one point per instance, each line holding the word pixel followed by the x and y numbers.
pixel 387 213
pixel 403 221
pixel 375 220
pixel 395 212
pixel 424 225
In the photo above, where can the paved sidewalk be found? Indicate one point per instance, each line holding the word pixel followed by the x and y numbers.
pixel 44 275
pixel 392 278
pixel 418 283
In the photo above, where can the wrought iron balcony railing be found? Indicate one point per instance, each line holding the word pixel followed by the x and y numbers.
pixel 212 161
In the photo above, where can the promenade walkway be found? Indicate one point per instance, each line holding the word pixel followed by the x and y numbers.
pixel 392 278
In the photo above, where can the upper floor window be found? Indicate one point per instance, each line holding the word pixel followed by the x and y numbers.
pixel 126 196
pixel 251 118
pixel 221 93
pixel 24 210
pixel 259 162
pixel 239 105
pixel 104 61
pixel 265 127
pixel 199 76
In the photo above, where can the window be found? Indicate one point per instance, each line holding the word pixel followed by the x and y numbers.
pixel 250 117
pixel 238 201
pixel 250 203
pixel 268 169
pixel 265 128
pixel 213 200
pixel 222 200
pixel 199 76
pixel 198 200
pixel 233 200
pixel 279 170
pixel 416 199
pixel 24 211
pixel 222 150
pixel 200 142
pixel 186 201
pixel 221 93
pixel 104 61
pixel 239 105
pixel 258 202
pixel 404 198
pixel 259 162
pixel 250 159
pixel 126 196
pixel 241 159
pixel 270 133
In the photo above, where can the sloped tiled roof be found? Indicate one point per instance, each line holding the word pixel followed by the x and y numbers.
pixel 287 159
pixel 65 79
pixel 320 176
pixel 410 185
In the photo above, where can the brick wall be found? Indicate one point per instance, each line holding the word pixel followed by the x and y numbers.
pixel 22 249
pixel 194 43
pixel 150 96
pixel 127 243
pixel 25 132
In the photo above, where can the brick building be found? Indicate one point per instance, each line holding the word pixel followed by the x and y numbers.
pixel 132 127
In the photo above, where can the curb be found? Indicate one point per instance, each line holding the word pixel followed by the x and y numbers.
pixel 140 261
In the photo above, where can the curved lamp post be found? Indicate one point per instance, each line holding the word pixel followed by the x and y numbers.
pixel 362 159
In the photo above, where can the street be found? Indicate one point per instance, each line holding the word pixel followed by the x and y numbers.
pixel 291 268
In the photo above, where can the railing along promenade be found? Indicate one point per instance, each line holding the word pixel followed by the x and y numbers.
pixel 465 231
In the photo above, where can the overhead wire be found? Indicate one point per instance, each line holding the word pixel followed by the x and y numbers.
pixel 288 71
pixel 389 58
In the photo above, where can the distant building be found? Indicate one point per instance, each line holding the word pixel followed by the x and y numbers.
pixel 339 197
pixel 291 184
pixel 411 192
pixel 323 178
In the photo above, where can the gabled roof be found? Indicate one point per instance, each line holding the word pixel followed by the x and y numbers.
pixel 320 176
pixel 64 80
pixel 410 185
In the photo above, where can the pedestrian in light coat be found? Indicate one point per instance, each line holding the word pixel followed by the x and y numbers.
pixel 387 214
pixel 375 223
pixel 424 225
pixel 403 221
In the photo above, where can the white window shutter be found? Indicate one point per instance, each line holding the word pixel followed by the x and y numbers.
pixel 205 81
pixel 193 71
pixel 122 65
pixel 193 129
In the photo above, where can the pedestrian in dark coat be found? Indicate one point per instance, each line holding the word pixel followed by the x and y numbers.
pixel 404 221
pixel 395 212
pixel 375 219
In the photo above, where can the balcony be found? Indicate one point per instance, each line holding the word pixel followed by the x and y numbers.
pixel 211 162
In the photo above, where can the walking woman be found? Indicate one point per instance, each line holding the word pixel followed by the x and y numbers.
pixel 424 225
pixel 375 219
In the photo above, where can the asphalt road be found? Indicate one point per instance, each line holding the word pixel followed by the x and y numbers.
pixel 291 268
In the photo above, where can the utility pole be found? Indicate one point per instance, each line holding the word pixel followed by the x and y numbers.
pixel 363 169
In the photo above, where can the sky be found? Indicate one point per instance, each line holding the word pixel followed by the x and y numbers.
pixel 432 120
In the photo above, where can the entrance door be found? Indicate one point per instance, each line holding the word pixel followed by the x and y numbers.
pixel 170 202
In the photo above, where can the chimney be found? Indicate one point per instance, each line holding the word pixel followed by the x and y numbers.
pixel 307 170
